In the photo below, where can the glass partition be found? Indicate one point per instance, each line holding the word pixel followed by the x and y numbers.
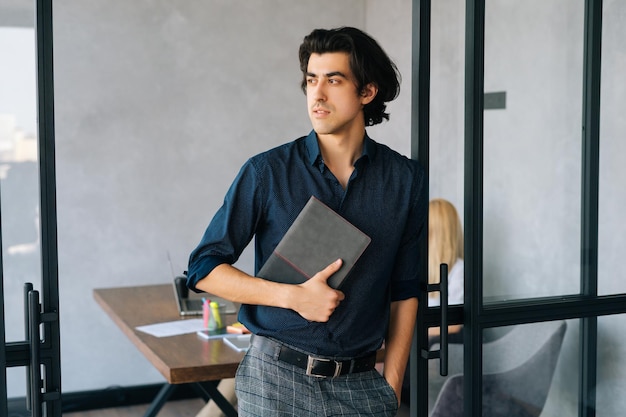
pixel 528 370
pixel 611 373
pixel 531 370
pixel 19 180
pixel 447 109
pixel 532 148
pixel 612 227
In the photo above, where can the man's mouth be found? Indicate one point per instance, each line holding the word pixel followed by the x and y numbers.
pixel 320 111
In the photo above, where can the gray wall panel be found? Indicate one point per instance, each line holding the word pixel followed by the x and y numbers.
pixel 158 104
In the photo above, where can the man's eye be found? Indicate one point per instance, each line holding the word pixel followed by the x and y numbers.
pixel 310 80
pixel 333 81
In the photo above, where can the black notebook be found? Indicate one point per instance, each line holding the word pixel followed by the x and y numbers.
pixel 318 237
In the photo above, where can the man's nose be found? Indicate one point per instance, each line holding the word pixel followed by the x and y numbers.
pixel 318 92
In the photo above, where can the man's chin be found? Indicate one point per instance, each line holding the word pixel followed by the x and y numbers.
pixel 322 129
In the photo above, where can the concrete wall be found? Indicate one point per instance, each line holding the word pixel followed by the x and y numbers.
pixel 159 103
pixel 174 97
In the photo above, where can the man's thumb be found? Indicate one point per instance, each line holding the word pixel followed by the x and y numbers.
pixel 331 269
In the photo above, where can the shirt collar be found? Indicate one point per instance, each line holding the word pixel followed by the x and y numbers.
pixel 315 156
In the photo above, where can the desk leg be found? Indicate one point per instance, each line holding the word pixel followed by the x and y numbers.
pixel 201 392
pixel 210 388
pixel 155 406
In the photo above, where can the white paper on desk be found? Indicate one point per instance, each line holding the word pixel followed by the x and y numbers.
pixel 173 328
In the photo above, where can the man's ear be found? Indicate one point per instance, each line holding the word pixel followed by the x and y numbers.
pixel 368 93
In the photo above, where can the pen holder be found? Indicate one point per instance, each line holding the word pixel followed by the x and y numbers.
pixel 213 315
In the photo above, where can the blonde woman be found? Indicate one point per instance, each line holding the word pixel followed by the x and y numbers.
pixel 445 246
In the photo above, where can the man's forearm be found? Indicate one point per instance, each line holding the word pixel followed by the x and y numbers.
pixel 398 343
pixel 314 300
pixel 230 283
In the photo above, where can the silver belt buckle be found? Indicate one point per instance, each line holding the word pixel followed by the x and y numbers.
pixel 311 361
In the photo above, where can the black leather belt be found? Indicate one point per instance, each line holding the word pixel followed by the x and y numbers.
pixel 313 365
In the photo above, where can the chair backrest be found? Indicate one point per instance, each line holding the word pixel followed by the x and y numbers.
pixel 519 345
pixel 517 373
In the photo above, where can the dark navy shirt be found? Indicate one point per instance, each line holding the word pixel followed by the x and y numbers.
pixel 386 197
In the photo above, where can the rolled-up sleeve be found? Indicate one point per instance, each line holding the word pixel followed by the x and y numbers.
pixel 231 229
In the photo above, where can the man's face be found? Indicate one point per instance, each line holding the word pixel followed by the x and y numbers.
pixel 335 106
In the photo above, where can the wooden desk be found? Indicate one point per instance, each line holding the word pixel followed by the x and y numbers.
pixel 180 359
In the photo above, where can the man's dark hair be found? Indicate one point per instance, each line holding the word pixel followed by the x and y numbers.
pixel 368 61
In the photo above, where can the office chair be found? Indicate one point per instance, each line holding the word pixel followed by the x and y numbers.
pixel 517 373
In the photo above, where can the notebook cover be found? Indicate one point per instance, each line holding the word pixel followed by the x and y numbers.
pixel 318 237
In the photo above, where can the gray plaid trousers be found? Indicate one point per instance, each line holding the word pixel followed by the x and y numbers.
pixel 268 387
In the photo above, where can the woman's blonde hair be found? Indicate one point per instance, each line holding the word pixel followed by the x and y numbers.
pixel 445 238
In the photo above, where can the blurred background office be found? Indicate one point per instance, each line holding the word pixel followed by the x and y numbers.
pixel 158 103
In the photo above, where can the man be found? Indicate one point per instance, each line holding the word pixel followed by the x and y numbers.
pixel 313 347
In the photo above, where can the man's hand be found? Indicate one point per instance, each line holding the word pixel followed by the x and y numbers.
pixel 398 342
pixel 314 299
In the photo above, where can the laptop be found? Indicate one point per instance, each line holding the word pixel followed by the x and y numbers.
pixel 190 303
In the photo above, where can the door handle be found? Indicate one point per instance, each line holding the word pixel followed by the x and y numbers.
pixel 443 302
pixel 442 353
pixel 34 338
pixel 36 396
pixel 28 287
